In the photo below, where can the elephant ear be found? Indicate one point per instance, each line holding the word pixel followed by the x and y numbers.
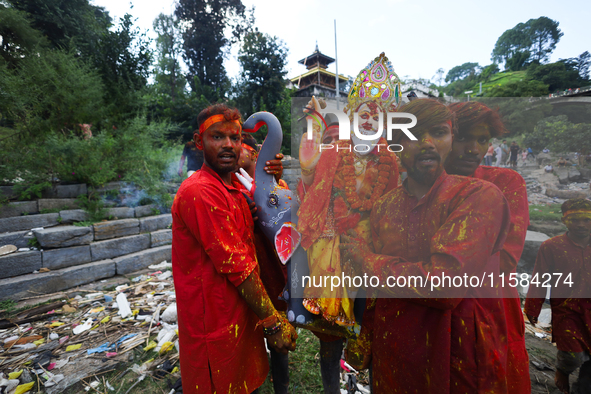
pixel 287 240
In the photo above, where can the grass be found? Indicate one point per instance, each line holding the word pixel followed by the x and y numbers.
pixel 8 306
pixel 545 212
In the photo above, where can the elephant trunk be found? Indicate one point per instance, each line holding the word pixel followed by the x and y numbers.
pixel 271 145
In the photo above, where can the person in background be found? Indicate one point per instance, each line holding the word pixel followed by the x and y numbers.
pixel 489 154
pixel 561 162
pixel 568 255
pixel 505 149
pixel 514 149
pixel 194 159
pixel 499 155
pixel 477 124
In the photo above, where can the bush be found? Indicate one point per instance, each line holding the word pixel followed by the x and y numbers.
pixel 137 153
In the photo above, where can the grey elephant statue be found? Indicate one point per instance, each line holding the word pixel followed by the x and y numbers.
pixel 277 213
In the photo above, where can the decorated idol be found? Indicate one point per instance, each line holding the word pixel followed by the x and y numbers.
pixel 341 183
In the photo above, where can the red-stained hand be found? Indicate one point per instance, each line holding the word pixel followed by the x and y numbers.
pixel 532 319
pixel 275 167
pixel 253 211
pixel 354 248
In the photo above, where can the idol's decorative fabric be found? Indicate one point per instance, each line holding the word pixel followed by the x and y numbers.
pixel 221 349
pixel 513 188
pixel 439 345
pixel 571 313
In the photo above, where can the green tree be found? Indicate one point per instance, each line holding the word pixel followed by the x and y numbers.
pixel 123 59
pixel 560 75
pixel 167 71
pixel 206 23
pixel 17 38
pixel 533 40
pixel 461 72
pixel 67 24
pixel 560 135
pixel 261 85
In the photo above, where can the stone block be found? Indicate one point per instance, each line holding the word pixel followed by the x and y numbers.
pixel 585 173
pixel 74 215
pixel 153 223
pixel 565 194
pixel 19 263
pixel 17 238
pixel 13 209
pixel 7 192
pixel 116 228
pixel 574 175
pixel 28 222
pixel 66 191
pixel 120 213
pixel 140 260
pixel 58 203
pixel 161 237
pixel 543 158
pixel 66 257
pixel 107 187
pixel 64 236
pixel 145 210
pixel 562 175
pixel 52 282
pixel 119 246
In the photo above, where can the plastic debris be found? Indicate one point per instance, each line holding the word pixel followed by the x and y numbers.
pixel 123 304
pixel 71 348
pixel 24 388
pixel 53 336
pixel 83 327
pixel 165 275
pixel 163 265
pixel 170 314
pixel 15 375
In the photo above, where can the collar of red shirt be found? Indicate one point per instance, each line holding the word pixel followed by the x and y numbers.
pixel 236 185
pixel 575 244
pixel 431 192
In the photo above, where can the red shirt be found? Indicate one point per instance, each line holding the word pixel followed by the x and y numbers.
pixel 439 345
pixel 221 350
pixel 513 188
pixel 571 307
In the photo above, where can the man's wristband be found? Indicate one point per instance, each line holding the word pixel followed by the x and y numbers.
pixel 271 325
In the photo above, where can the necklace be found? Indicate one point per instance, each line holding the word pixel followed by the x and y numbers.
pixel 353 167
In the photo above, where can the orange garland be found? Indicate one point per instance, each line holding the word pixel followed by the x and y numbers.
pixel 384 171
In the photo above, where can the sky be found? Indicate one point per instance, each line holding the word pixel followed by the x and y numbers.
pixel 418 36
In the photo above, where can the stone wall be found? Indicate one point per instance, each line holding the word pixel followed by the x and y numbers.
pixel 69 256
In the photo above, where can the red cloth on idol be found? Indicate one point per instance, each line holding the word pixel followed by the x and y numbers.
pixel 571 310
pixel 513 188
pixel 439 345
pixel 221 350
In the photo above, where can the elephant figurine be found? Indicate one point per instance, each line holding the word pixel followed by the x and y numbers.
pixel 277 212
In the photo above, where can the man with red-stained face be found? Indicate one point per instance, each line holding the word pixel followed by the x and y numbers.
pixel 223 309
pixel 477 124
pixel 434 340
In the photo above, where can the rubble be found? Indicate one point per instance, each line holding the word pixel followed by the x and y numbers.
pixel 52 347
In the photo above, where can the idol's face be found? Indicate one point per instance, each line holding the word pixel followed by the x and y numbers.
pixel 423 159
pixel 468 150
pixel 369 118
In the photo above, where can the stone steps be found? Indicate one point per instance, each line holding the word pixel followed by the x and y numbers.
pixel 128 245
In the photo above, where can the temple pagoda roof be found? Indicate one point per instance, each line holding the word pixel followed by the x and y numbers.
pixel 315 59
